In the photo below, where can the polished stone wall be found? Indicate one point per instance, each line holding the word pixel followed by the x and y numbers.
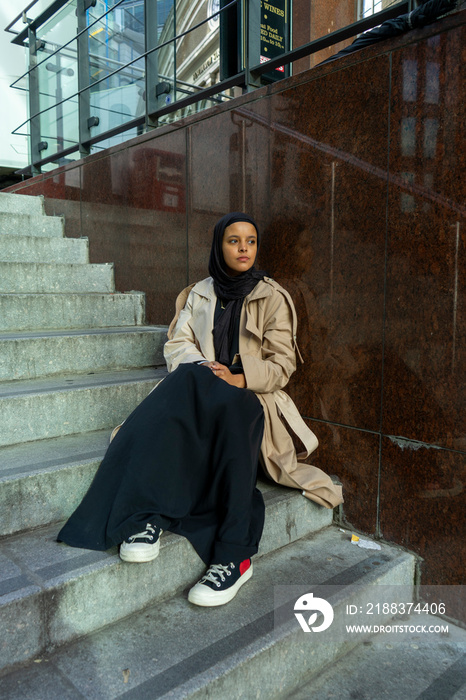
pixel 354 171
pixel 313 19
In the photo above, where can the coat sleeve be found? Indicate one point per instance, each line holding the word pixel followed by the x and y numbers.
pixel 182 345
pixel 273 369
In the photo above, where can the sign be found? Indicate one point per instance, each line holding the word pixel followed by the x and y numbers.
pixel 210 61
pixel 275 24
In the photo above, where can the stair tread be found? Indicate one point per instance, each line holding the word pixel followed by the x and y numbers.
pixel 410 667
pixel 34 547
pixel 17 335
pixel 19 239
pixel 52 453
pixel 51 594
pixel 32 264
pixel 69 382
pixel 43 561
pixel 52 311
pixel 33 560
pixel 35 216
pixel 18 236
pixel 29 355
pixel 60 295
pixel 174 647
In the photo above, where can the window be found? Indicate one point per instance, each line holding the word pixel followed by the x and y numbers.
pixel 369 7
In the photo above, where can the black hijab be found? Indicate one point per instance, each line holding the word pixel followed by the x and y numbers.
pixel 229 288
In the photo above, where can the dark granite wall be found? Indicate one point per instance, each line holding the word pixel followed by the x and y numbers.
pixel 354 172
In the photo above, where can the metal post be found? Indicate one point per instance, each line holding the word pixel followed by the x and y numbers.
pixel 84 98
pixel 231 41
pixel 252 30
pixel 151 61
pixel 59 109
pixel 34 103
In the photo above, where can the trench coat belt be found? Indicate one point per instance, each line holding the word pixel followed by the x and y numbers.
pixel 290 413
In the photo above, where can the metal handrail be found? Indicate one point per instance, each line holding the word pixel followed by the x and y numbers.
pixel 200 93
pixel 117 70
pixel 285 58
pixel 67 43
pixel 134 60
pixel 49 12
pixel 20 16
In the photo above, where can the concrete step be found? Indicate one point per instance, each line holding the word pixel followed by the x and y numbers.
pixel 42 408
pixel 21 204
pixel 41 249
pixel 43 482
pixel 418 666
pixel 29 355
pixel 24 312
pixel 14 224
pixel 45 278
pixel 51 593
pixel 173 649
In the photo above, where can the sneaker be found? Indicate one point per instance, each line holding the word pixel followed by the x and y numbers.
pixel 144 546
pixel 220 583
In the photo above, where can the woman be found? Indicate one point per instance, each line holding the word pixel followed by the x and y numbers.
pixel 186 459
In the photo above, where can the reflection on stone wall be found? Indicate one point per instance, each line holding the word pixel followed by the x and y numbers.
pixel 355 175
pixel 313 19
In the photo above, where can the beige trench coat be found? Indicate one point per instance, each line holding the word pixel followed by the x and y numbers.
pixel 267 345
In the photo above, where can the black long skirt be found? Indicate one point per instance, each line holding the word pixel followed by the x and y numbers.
pixel 186 460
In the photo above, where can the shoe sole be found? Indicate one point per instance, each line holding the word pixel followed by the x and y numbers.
pixel 135 557
pixel 205 600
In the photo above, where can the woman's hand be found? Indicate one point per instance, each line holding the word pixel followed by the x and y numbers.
pixel 224 373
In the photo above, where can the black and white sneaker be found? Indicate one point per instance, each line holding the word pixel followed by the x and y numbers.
pixel 220 583
pixel 144 546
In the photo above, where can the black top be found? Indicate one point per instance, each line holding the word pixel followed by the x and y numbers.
pixel 236 368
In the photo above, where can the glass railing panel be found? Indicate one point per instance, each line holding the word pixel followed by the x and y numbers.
pixel 165 56
pixel 198 52
pixel 116 140
pixel 193 61
pixel 59 127
pixel 118 99
pixel 48 167
pixel 115 39
pixel 60 28
pixel 165 20
pixel 198 106
pixel 116 88
pixel 58 75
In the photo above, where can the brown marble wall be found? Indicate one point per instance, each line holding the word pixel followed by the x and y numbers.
pixel 354 172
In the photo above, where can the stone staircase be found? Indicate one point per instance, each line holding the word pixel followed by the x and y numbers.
pixel 75 359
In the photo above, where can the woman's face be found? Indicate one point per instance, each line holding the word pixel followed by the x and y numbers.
pixel 239 247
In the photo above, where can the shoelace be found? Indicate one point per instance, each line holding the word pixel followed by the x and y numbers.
pixel 148 533
pixel 217 571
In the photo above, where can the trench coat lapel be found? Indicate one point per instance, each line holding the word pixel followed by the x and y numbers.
pixel 203 321
pixel 260 291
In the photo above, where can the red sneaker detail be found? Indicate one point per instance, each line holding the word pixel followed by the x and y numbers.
pixel 244 566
